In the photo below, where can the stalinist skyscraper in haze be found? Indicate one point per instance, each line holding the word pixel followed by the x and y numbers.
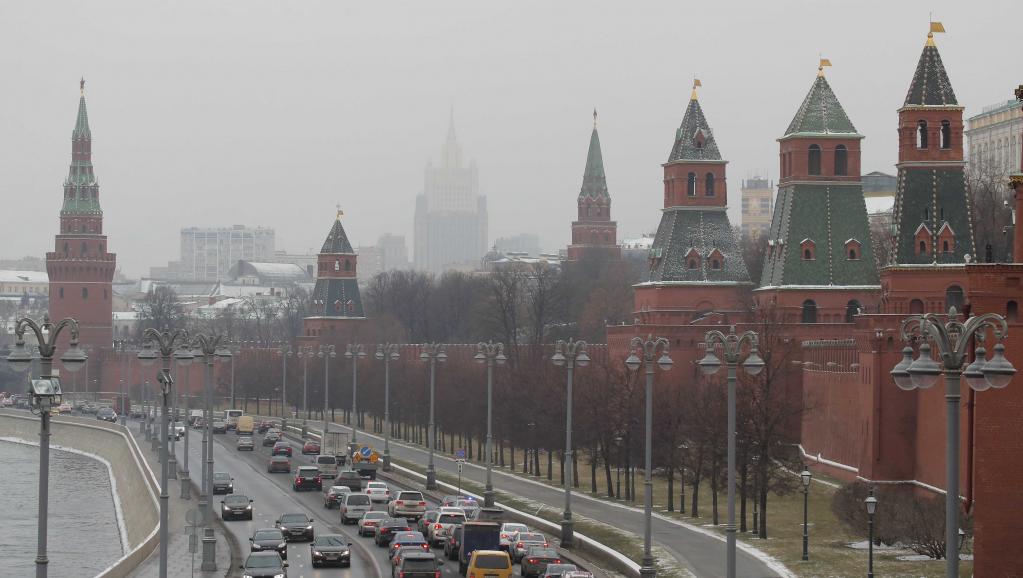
pixel 451 216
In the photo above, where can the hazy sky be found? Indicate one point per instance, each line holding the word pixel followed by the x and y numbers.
pixel 268 113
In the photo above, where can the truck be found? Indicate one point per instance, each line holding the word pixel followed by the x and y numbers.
pixel 365 460
pixel 477 536
pixel 245 426
pixel 333 446
pixel 231 417
pixel 351 479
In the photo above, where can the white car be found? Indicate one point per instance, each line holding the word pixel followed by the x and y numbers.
pixel 369 521
pixel 407 504
pixel 508 531
pixel 440 530
pixel 378 492
pixel 177 430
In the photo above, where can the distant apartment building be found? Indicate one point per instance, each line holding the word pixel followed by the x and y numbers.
pixel 757 206
pixel 207 254
pixel 388 254
pixel 993 141
pixel 528 243
pixel 451 216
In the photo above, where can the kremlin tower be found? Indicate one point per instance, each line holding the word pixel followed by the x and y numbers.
pixel 594 234
pixel 335 305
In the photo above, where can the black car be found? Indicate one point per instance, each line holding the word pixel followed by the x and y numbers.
pixel 264 565
pixel 331 549
pixel 453 543
pixel 388 528
pixel 220 427
pixel 106 414
pixel 418 565
pixel 223 483
pixel 307 478
pixel 296 527
pixel 270 439
pixel 269 539
pixel 236 507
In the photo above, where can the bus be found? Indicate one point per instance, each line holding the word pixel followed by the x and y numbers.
pixel 231 417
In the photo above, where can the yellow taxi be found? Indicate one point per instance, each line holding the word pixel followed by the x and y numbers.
pixel 489 564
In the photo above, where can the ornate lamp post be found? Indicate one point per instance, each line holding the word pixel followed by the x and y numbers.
pixel 952 337
pixel 234 349
pixel 326 352
pixel 871 503
pixel 355 352
pixel 732 345
pixel 433 353
pixel 285 352
pixel 490 353
pixel 387 352
pixel 45 395
pixel 304 353
pixel 569 354
pixel 805 478
pixel 648 350
pixel 165 343
pixel 185 483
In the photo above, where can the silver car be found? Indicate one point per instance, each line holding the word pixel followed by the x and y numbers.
pixel 244 443
pixel 353 506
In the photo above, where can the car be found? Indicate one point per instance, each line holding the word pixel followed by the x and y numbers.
pixel 64 408
pixel 523 541
pixel 244 443
pixel 386 529
pixel 236 507
pixel 508 531
pixel 450 500
pixel 279 464
pixel 407 539
pixel 350 478
pixel 296 526
pixel 558 570
pixel 424 522
pixel 577 574
pixel 222 483
pixel 327 465
pixel 368 522
pixel 442 527
pixel 219 427
pixel 106 414
pixel 270 439
pixel 352 506
pixel 453 543
pixel 331 549
pixel 307 478
pixel 407 504
pixel 470 506
pixel 282 449
pixel 332 497
pixel 378 492
pixel 267 539
pixel 177 430
pixel 489 563
pixel 536 560
pixel 263 426
pixel 414 564
pixel 310 448
pixel 264 565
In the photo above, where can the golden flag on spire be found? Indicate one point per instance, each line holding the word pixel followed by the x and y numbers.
pixel 820 67
pixel 696 83
pixel 937 27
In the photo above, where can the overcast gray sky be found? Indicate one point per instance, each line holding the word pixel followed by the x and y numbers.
pixel 268 113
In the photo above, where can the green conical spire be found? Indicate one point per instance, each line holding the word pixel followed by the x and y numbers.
pixel 594 181
pixel 82 123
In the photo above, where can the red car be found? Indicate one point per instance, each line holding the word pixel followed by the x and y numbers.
pixel 311 448
pixel 282 449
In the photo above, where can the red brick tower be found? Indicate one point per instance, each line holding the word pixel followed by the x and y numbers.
pixel 594 234
pixel 79 267
pixel 336 304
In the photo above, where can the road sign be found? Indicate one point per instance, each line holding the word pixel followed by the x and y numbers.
pixel 357 457
pixel 374 457
pixel 366 451
pixel 460 462
pixel 196 517
pixel 460 454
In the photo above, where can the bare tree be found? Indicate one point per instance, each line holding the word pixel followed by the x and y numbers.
pixel 160 309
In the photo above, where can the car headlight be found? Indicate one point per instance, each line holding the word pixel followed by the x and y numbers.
pixel 256 547
pixel 249 507
pixel 317 553
pixel 282 545
pixel 309 527
pixel 278 575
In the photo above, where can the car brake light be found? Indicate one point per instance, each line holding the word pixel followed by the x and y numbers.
pixel 436 574
pixel 422 503
pixel 399 502
pixel 546 545
pixel 557 562
pixel 504 536
pixel 532 560
pixel 401 574
pixel 436 526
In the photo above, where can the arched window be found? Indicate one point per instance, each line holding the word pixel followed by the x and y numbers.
pixel 607 237
pixel 841 160
pixel 348 265
pixel 337 264
pixel 709 185
pixel 82 254
pixel 946 135
pixel 67 249
pixel 852 309
pixel 954 298
pixel 922 248
pixel 809 249
pixel 853 249
pixel 1012 311
pixel 715 264
pixel 813 161
pixel 944 247
pixel 693 264
pixel 916 307
pixel 691 185
pixel 85 292
pixel 809 311
pixel 61 291
pixel 921 134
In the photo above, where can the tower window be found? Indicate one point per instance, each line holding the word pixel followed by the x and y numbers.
pixel 916 306
pixel 954 298
pixel 809 249
pixel 691 186
pixel 61 292
pixel 85 292
pixel 922 248
pixel 841 160
pixel 809 313
pixel 921 134
pixel 813 161
pixel 944 247
pixel 348 265
pixel 693 264
pixel 946 134
pixel 1012 311
pixel 715 264
pixel 853 249
pixel 852 309
pixel 709 185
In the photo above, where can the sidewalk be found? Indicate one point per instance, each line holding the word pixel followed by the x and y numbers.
pixel 180 563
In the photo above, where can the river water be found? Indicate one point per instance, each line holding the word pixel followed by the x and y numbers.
pixel 83 535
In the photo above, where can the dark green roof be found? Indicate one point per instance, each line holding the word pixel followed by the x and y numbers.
pixel 594 181
pixel 81 188
pixel 337 240
pixel 704 231
pixel 828 215
pixel 82 122
pixel 930 86
pixel 336 297
pixel 693 130
pixel 932 197
pixel 821 113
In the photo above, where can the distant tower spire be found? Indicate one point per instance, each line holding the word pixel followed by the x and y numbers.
pixel 81 86
pixel 820 67
pixel 935 27
pixel 696 83
pixel 594 118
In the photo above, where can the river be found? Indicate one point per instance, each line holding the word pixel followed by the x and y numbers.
pixel 83 534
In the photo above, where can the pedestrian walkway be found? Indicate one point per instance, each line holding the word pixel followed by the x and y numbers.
pixel 180 562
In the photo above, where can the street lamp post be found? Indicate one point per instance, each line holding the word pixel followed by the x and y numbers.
pixel 165 342
pixel 952 339
pixel 434 353
pixel 732 349
pixel 569 354
pixel 871 503
pixel 355 352
pixel 234 349
pixel 185 482
pixel 648 348
pixel 490 353
pixel 387 352
pixel 285 352
pixel 327 352
pixel 304 353
pixel 46 395
pixel 805 477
